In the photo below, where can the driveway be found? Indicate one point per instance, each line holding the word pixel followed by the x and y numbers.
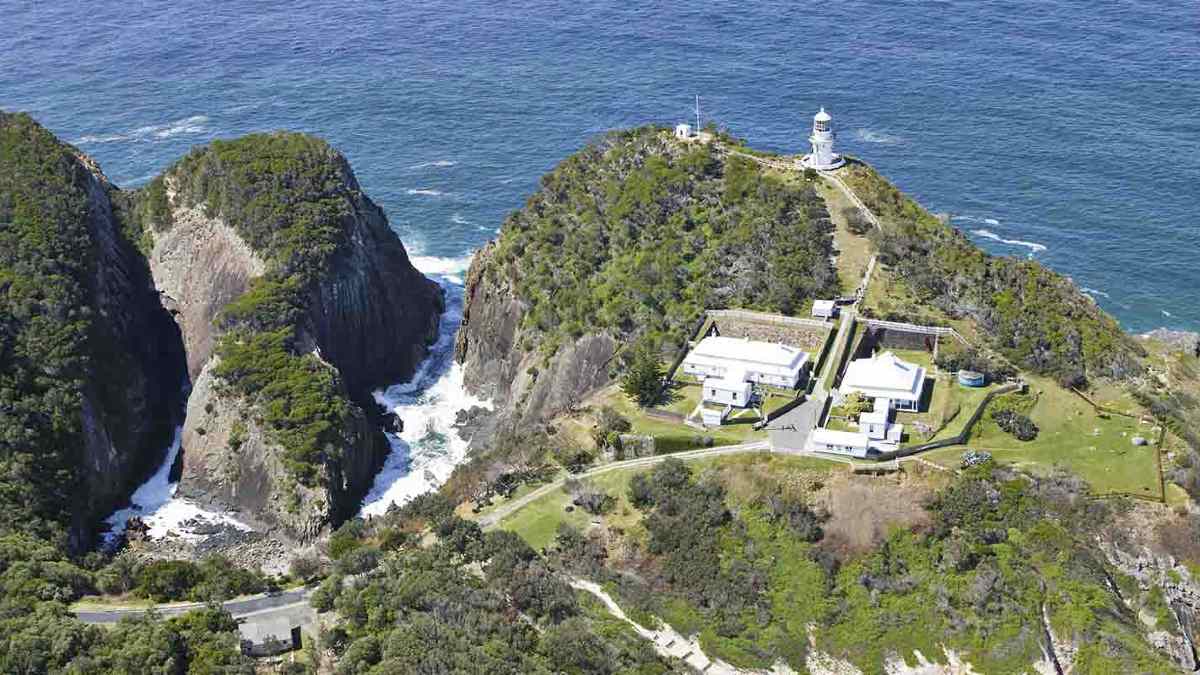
pixel 789 432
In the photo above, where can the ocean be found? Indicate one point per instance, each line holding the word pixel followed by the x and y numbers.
pixel 1064 131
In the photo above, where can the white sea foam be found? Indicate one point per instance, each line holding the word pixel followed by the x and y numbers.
pixel 991 221
pixel 458 219
pixel 427 450
pixel 1094 291
pixel 439 164
pixel 196 124
pixel 156 504
pixel 1033 247
pixel 426 192
pixel 1166 313
pixel 869 136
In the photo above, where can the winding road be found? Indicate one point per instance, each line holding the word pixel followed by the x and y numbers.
pixel 492 519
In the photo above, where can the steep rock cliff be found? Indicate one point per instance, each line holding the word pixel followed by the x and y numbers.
pixel 91 370
pixel 295 300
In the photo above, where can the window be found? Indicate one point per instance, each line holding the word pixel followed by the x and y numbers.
pixel 735 395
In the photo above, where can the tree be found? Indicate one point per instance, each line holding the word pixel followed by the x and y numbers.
pixel 643 379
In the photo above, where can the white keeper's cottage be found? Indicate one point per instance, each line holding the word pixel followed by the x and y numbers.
pixel 822 156
pixel 723 358
pixel 886 376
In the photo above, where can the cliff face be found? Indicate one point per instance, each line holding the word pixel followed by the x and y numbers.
pixel 91 369
pixel 353 319
pixel 523 384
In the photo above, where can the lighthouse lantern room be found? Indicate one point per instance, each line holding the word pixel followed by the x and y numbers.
pixel 822 156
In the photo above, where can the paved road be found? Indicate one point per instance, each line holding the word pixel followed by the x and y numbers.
pixel 490 520
pixel 249 606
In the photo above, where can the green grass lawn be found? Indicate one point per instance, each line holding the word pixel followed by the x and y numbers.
pixel 854 251
pixel 1071 436
pixel 672 436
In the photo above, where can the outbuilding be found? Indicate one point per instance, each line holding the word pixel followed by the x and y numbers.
pixel 840 442
pixel 733 390
pixel 824 309
pixel 683 131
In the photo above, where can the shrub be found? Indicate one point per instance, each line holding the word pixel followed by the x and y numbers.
pixel 1016 424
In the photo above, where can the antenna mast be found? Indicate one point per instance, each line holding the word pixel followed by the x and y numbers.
pixel 697 113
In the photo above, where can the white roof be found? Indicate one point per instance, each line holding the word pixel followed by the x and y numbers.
pixel 822 116
pixel 873 418
pixel 848 438
pixel 684 126
pixel 885 376
pixel 822 304
pixel 764 357
pixel 732 382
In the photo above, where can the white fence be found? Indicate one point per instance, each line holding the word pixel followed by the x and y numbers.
pixel 941 331
pixel 763 317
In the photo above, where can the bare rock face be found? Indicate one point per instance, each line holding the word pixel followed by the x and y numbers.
pixel 524 386
pixel 368 317
pixel 132 401
pixel 199 266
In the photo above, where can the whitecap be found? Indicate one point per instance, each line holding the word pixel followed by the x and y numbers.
pixel 1033 247
pixel 991 221
pixel 427 192
pixel 1093 291
pixel 440 164
pixel 425 453
pixel 196 124
pixel 458 219
pixel 1166 313
pixel 869 136
pixel 156 504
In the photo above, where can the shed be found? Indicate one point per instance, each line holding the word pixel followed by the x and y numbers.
pixel 683 131
pixel 840 442
pixel 824 309
pixel 970 378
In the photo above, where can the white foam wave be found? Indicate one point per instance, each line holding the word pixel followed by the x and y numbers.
pixel 458 219
pixel 196 124
pixel 440 164
pixel 991 221
pixel 426 192
pixel 975 219
pixel 869 136
pixel 1166 313
pixel 429 447
pixel 1094 291
pixel 156 504
pixel 1033 247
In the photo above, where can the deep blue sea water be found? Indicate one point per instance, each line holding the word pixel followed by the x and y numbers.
pixel 1066 130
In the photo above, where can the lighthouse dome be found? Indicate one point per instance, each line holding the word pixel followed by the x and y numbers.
pixel 821 116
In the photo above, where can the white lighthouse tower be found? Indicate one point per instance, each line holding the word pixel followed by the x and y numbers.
pixel 822 156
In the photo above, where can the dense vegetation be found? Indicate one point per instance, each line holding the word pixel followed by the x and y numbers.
pixel 1035 317
pixel 39 635
pixel 468 603
pixel 637 234
pixel 751 573
pixel 45 321
pixel 287 195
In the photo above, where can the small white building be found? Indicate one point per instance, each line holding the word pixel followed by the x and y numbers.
pixel 683 131
pixel 824 309
pixel 839 442
pixel 732 390
pixel 759 362
pixel 713 415
pixel 877 424
pixel 886 376
pixel 822 156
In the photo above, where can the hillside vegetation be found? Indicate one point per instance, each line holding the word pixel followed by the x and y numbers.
pixel 1035 317
pixel 637 234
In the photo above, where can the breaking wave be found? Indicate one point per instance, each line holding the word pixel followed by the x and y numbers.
pixel 196 124
pixel 878 137
pixel 1033 247
pixel 1093 291
pixel 156 504
pixel 440 164
pixel 428 448
pixel 426 192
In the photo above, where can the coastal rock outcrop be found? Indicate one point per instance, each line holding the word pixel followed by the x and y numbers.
pixel 295 300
